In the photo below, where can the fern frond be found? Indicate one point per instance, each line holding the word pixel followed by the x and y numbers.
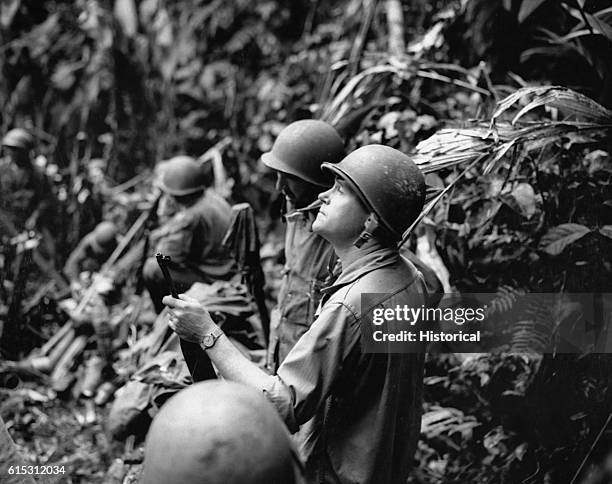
pixel 504 300
pixel 534 334
pixel 531 336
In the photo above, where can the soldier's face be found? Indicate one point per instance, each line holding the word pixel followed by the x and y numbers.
pixel 340 220
pixel 299 192
pixel 167 207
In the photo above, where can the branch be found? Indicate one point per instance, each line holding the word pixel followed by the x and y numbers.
pixel 361 36
pixel 395 23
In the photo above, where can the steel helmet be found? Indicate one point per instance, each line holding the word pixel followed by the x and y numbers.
pixel 182 175
pixel 388 183
pixel 218 432
pixel 18 138
pixel 104 237
pixel 302 147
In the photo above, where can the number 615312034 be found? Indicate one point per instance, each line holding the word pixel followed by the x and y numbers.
pixel 36 470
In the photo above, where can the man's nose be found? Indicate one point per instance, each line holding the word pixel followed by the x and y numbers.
pixel 324 196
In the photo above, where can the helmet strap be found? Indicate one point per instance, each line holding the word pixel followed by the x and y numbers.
pixel 369 227
pixel 283 209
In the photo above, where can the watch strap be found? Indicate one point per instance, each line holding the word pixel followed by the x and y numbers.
pixel 209 340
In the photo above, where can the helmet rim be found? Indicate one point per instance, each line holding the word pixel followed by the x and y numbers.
pixel 302 146
pixel 175 192
pixel 277 164
pixel 180 171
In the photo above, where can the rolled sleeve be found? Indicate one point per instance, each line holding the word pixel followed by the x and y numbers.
pixel 305 378
pixel 283 399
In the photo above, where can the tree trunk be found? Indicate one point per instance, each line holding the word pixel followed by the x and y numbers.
pixel 395 23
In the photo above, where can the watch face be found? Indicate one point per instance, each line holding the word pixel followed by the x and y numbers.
pixel 208 340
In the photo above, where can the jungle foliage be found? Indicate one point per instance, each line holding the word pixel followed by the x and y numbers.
pixel 506 104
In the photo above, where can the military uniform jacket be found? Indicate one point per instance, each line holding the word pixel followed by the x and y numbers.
pixel 307 258
pixel 358 414
pixel 23 191
pixel 193 237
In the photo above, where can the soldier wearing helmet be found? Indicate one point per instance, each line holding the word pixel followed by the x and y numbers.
pixel 26 197
pixel 356 414
pixel 218 433
pixel 296 156
pixel 193 236
pixel 92 252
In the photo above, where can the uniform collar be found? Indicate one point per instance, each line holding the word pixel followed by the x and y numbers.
pixel 307 213
pixel 372 258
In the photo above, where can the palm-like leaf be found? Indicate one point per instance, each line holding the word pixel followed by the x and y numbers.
pixel 485 144
pixel 450 147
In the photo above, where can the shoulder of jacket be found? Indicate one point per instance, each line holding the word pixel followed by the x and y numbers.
pixel 208 203
pixel 387 278
pixel 179 221
pixel 387 281
pixel 342 304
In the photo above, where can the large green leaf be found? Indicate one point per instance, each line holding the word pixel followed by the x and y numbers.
pixel 571 103
pixel 558 238
pixel 524 196
pixel 599 26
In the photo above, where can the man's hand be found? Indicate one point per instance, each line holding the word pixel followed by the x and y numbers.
pixel 188 318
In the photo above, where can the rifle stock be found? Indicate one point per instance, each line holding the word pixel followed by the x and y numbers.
pixel 197 360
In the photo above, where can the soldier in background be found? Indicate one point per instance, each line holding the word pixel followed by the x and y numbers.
pixel 161 210
pixel 296 156
pixel 91 252
pixel 26 196
pixel 193 236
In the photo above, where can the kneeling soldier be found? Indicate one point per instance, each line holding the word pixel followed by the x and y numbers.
pixel 92 251
pixel 193 236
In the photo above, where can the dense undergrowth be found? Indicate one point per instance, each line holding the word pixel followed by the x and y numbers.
pixel 135 82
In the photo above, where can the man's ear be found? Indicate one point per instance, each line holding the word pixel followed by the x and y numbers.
pixel 369 227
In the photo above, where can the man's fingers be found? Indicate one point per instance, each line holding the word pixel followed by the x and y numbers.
pixel 175 303
pixel 168 301
pixel 189 299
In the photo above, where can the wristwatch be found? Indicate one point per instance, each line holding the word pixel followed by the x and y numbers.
pixel 211 338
